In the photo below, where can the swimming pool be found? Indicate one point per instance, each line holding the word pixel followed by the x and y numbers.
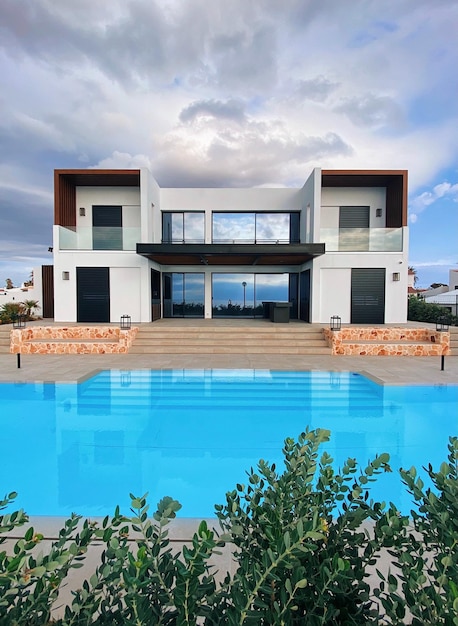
pixel 192 434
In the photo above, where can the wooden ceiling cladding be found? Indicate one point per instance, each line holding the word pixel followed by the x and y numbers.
pixel 395 182
pixel 66 181
pixel 237 254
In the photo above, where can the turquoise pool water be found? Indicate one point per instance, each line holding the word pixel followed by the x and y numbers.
pixel 192 434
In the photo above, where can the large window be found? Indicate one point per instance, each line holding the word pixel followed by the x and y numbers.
pixel 247 295
pixel 183 227
pixel 255 228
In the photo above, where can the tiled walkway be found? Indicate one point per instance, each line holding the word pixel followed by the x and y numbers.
pixel 384 369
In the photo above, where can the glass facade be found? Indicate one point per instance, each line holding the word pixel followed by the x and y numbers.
pixel 245 294
pixel 183 294
pixel 255 228
pixel 183 227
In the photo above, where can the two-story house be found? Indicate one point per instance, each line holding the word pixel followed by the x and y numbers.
pixel 123 245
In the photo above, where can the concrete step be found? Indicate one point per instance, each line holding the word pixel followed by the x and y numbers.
pixel 454 340
pixel 235 349
pixel 246 339
pixel 5 339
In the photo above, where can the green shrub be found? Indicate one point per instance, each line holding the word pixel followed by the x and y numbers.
pixel 10 310
pixel 426 555
pixel 302 546
pixel 420 311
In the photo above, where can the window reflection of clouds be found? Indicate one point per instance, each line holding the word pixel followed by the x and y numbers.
pixel 177 227
pixel 259 287
pixel 251 226
pixel 194 226
pixel 272 226
pixel 187 226
pixel 233 226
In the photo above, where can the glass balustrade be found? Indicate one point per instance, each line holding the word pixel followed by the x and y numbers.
pixel 362 239
pixel 99 238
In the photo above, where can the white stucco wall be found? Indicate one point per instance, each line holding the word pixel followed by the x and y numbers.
pixel 310 199
pixel 231 200
pixel 129 282
pixel 125 293
pixel 332 198
pixel 150 201
pixel 332 280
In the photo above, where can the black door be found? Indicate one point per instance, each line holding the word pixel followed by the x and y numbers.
pixel 354 228
pixel 106 227
pixel 93 294
pixel 155 295
pixel 305 296
pixel 368 295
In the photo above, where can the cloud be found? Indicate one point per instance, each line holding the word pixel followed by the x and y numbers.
pixel 371 110
pixel 232 110
pixel 315 89
pixel 419 203
pixel 254 155
pixel 124 161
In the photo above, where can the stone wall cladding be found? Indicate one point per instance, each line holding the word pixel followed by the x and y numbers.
pixel 72 340
pixel 390 341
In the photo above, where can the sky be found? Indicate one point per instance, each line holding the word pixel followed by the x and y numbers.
pixel 228 93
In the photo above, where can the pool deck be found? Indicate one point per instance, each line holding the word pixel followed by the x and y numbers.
pixel 388 370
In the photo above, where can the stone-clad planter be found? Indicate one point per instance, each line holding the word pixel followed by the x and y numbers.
pixel 72 340
pixel 388 341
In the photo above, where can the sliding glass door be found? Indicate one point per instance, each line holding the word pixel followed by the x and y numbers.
pixel 183 294
pixel 247 295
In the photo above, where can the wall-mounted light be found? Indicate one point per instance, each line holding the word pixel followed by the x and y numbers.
pixel 82 211
pixel 396 276
pixel 65 275
pixel 378 212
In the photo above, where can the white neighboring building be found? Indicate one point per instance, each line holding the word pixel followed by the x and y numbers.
pixel 122 245
pixel 448 301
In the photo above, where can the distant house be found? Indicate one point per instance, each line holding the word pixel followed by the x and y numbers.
pixel 335 246
pixel 445 297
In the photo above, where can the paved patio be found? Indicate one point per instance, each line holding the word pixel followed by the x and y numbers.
pixel 383 369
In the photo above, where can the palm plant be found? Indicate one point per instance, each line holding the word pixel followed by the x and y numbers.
pixel 30 306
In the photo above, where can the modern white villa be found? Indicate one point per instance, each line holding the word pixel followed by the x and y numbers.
pixel 122 245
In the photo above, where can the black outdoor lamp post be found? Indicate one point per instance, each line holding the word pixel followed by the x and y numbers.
pixel 442 326
pixel 335 323
pixel 19 324
pixel 244 293
pixel 125 322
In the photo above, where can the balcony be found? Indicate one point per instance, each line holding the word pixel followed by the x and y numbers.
pixel 362 239
pixel 99 238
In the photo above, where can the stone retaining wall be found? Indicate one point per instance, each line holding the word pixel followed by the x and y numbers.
pixel 71 340
pixel 389 341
